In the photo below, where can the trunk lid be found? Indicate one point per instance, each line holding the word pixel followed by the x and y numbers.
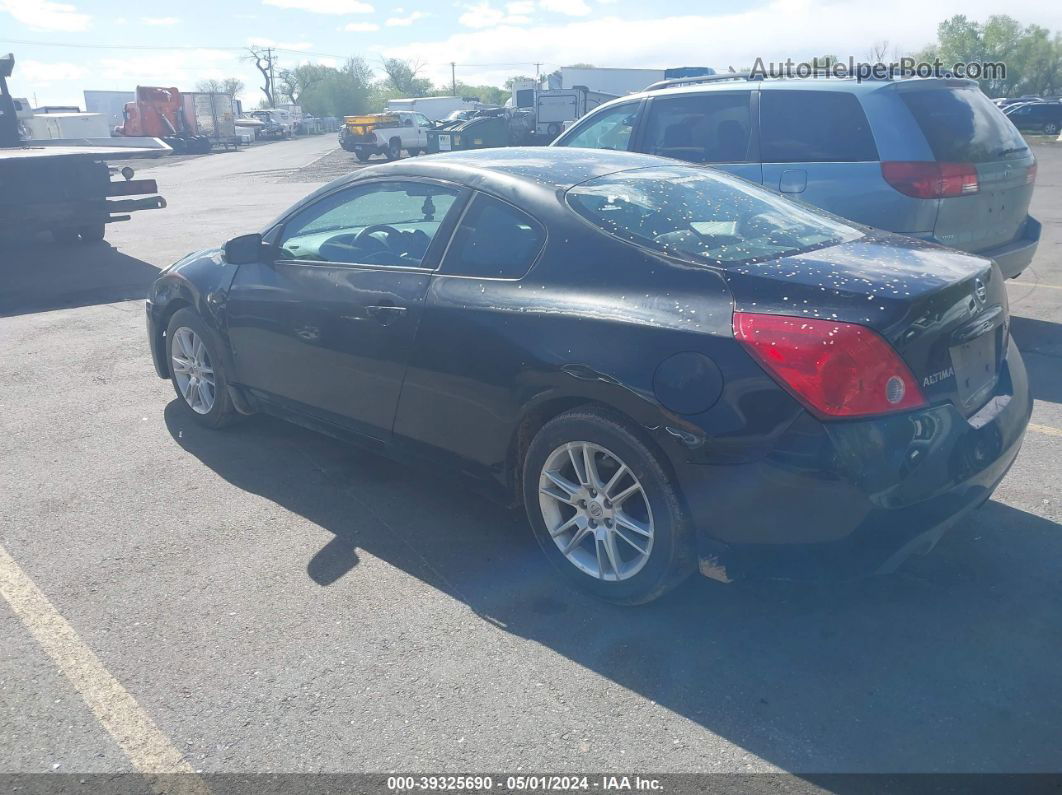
pixel 943 311
pixel 961 125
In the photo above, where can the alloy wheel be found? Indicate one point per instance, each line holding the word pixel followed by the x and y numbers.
pixel 596 511
pixel 192 370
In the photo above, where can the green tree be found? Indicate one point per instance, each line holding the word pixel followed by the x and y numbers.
pixel 1033 56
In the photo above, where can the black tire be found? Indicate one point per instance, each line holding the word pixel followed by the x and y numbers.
pixel 222 412
pixel 93 234
pixel 394 149
pixel 672 557
pixel 362 155
pixel 1051 128
pixel 64 236
pixel 413 152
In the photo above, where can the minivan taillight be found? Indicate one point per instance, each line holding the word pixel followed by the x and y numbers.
pixel 1030 175
pixel 835 369
pixel 929 179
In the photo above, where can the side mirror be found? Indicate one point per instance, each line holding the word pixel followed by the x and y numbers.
pixel 244 249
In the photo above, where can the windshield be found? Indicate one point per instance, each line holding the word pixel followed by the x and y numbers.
pixel 704 214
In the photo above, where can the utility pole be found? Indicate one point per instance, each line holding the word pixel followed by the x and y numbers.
pixel 536 71
pixel 272 79
pixel 453 77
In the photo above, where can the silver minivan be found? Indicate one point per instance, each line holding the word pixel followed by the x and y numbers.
pixel 932 158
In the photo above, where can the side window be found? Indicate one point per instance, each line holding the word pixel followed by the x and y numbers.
pixel 713 127
pixel 494 239
pixel 814 127
pixel 422 120
pixel 384 223
pixel 610 129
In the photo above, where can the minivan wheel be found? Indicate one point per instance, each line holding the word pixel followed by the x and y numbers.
pixel 604 510
pixel 1051 128
pixel 196 371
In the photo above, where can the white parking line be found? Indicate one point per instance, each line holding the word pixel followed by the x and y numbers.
pixel 1012 283
pixel 148 749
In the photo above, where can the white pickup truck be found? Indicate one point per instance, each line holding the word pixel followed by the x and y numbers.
pixel 385 134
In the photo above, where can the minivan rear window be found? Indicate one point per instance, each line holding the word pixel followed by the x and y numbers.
pixel 963 126
pixel 704 215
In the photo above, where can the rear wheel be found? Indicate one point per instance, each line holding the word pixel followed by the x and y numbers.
pixel 362 155
pixel 196 370
pixel 604 510
pixel 1051 128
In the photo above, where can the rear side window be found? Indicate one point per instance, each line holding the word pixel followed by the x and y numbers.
pixel 814 127
pixel 494 240
pixel 701 128
pixel 962 125
pixel 610 129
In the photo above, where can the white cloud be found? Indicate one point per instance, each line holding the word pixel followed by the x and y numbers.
pixel 361 27
pixel 182 69
pixel 324 6
pixel 484 15
pixel 160 21
pixel 406 20
pixel 42 73
pixel 571 8
pixel 520 7
pixel 46 15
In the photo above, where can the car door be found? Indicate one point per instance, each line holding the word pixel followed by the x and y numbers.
pixel 817 146
pixel 326 328
pixel 423 125
pixel 710 127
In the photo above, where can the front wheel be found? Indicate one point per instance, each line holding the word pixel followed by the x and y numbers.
pixel 604 509
pixel 394 149
pixel 196 370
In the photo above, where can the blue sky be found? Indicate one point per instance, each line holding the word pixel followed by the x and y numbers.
pixel 62 46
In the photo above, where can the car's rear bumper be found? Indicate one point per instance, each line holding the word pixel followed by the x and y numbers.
pixel 843 499
pixel 1015 257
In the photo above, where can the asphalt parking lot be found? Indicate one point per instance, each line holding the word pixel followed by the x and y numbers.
pixel 267 599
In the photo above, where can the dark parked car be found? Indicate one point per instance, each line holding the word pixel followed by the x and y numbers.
pixel 1040 117
pixel 667 365
pixel 931 158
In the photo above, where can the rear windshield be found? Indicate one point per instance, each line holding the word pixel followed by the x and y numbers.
pixel 963 126
pixel 705 215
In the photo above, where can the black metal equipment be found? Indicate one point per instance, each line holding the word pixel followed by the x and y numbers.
pixel 8 119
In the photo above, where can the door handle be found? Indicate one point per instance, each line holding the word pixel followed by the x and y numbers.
pixel 385 314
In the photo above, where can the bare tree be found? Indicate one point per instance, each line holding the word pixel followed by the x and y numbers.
pixel 293 83
pixel 264 60
pixel 402 76
pixel 232 86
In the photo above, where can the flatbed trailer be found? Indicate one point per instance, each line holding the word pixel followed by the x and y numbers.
pixel 65 186
pixel 68 191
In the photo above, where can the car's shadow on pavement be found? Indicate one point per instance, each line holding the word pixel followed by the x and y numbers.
pixel 952 664
pixel 38 275
pixel 1040 343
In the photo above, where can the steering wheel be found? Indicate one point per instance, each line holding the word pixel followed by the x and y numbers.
pixel 365 235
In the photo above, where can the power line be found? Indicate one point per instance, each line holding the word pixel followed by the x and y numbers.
pixel 84 46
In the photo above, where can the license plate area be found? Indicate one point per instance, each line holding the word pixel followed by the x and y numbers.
pixel 976 366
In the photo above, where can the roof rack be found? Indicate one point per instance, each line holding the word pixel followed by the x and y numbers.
pixel 689 81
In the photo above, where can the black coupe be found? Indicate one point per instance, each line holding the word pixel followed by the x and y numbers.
pixel 668 366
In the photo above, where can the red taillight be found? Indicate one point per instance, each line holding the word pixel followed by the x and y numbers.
pixel 1030 175
pixel 928 179
pixel 836 369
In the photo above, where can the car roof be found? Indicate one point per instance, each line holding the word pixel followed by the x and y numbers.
pixel 551 168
